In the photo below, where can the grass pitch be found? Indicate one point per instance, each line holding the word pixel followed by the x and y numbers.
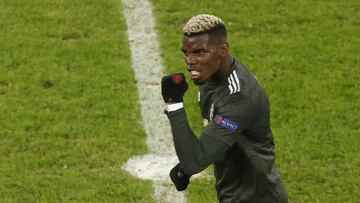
pixel 69 115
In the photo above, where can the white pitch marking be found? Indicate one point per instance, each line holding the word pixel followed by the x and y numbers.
pixel 148 70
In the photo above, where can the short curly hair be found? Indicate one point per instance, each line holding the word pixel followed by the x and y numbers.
pixel 205 23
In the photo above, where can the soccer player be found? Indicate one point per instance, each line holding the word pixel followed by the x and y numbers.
pixel 236 137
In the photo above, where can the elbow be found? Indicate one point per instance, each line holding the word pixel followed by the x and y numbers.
pixel 196 162
pixel 191 170
pixel 193 167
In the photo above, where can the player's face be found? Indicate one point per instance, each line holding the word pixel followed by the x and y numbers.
pixel 201 56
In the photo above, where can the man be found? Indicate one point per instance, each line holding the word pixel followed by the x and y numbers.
pixel 237 137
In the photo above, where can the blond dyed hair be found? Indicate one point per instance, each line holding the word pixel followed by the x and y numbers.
pixel 203 23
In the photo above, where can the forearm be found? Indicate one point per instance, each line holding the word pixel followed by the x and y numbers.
pixel 186 143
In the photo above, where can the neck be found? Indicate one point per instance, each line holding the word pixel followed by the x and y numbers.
pixel 224 69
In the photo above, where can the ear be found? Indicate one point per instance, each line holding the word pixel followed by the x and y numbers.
pixel 223 49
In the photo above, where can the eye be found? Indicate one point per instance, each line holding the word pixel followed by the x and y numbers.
pixel 200 52
pixel 185 54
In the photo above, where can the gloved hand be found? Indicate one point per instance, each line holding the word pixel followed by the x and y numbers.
pixel 179 178
pixel 173 88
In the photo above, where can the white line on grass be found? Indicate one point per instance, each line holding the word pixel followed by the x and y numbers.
pixel 148 70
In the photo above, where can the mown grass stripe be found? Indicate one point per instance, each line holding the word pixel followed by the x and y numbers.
pixel 148 70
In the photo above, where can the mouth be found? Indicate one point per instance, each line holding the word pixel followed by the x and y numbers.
pixel 194 74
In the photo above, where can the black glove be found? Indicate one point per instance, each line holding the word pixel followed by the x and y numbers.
pixel 179 178
pixel 173 87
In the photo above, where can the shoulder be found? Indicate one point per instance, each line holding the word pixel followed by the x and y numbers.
pixel 232 88
pixel 233 83
pixel 241 91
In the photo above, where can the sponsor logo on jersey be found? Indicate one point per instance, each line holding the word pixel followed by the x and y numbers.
pixel 226 123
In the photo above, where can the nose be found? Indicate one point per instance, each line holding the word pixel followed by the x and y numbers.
pixel 190 60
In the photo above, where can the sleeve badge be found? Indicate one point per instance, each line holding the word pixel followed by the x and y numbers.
pixel 226 123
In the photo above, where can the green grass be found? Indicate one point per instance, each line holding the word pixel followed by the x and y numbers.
pixel 305 53
pixel 65 72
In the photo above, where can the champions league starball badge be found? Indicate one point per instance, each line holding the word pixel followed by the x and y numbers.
pixel 226 123
pixel 218 119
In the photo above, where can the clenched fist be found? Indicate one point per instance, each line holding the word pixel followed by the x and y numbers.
pixel 173 88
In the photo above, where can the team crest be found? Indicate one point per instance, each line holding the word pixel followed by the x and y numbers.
pixel 177 78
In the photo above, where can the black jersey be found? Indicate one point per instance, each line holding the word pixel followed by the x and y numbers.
pixel 237 139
